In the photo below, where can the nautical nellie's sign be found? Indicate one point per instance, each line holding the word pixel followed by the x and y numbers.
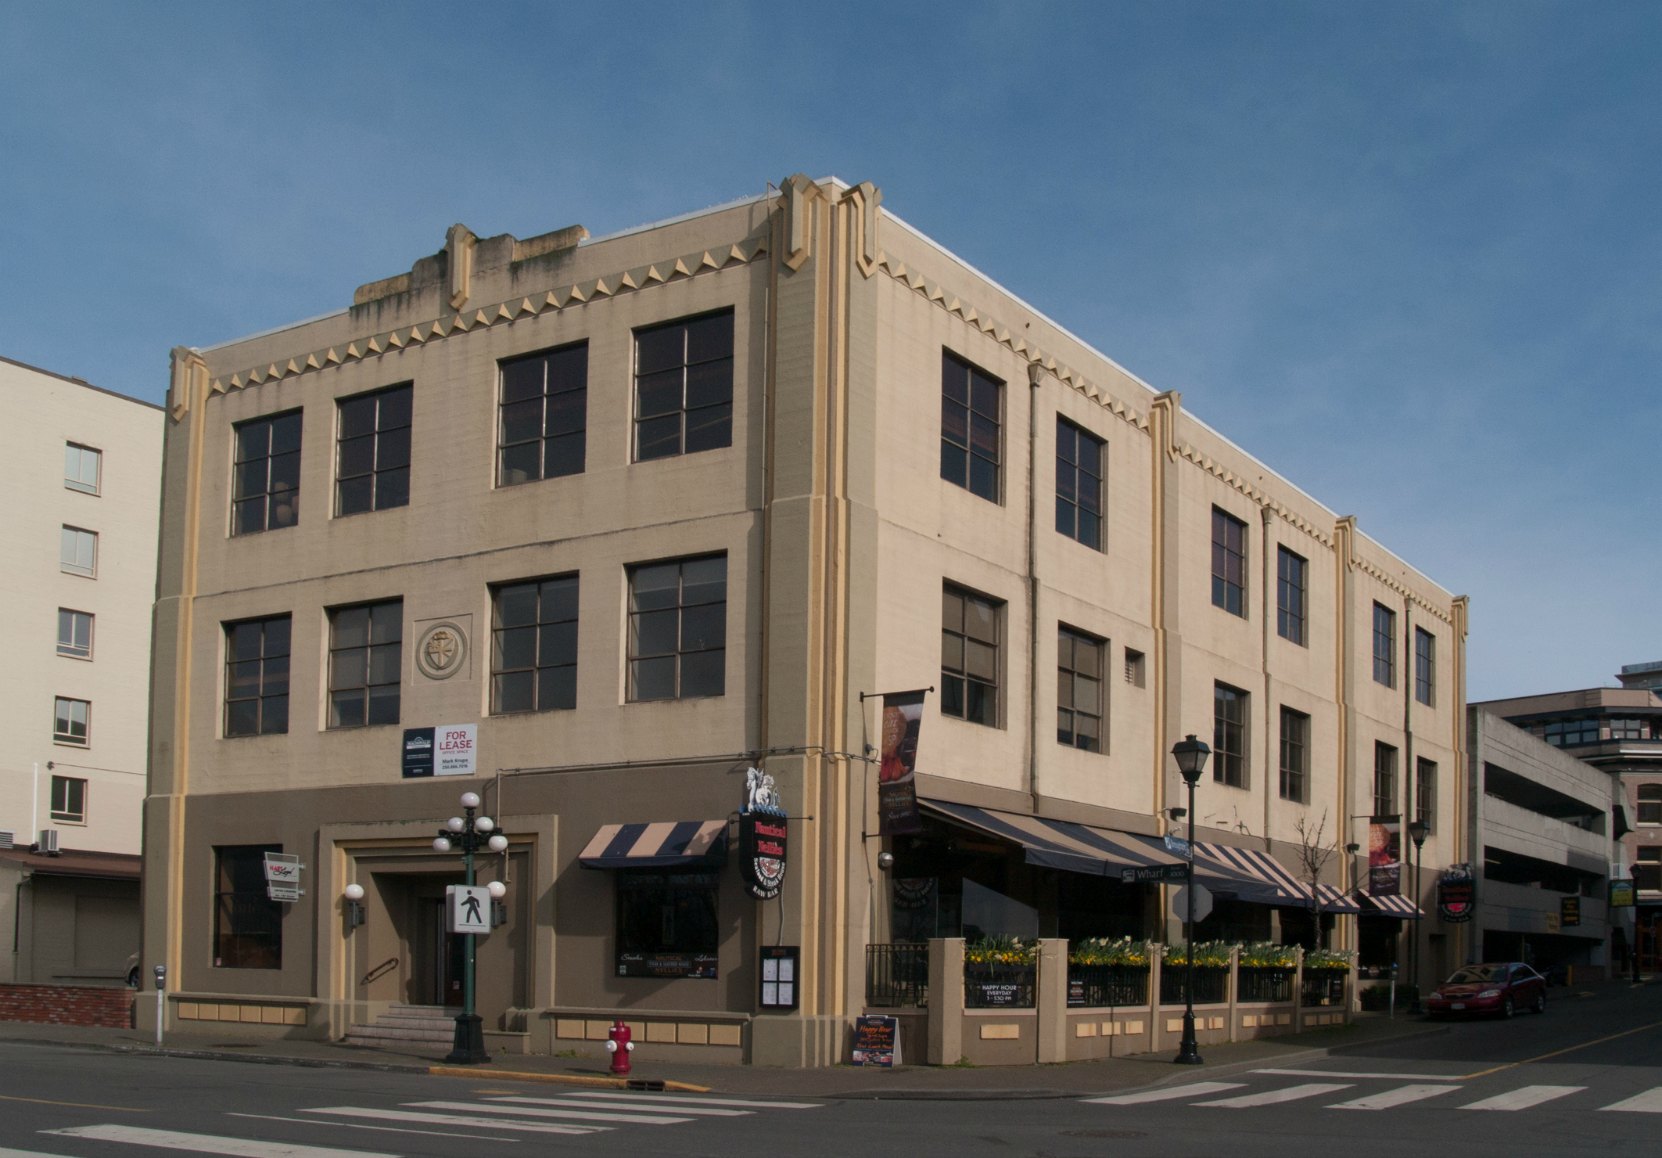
pixel 1456 893
pixel 764 836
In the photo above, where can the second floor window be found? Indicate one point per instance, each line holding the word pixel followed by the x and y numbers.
pixel 366 657
pixel 1079 473
pixel 1229 736
pixel 1650 804
pixel 1290 595
pixel 1425 666
pixel 74 633
pixel 684 387
pixel 69 800
pixel 1079 689
pixel 81 467
pixel 1647 868
pixel 1384 645
pixel 1425 793
pixel 542 420
pixel 972 434
pixel 678 629
pixel 1384 780
pixel 1228 562
pixel 970 642
pixel 265 485
pixel 534 645
pixel 257 676
pixel 72 722
pixel 78 552
pixel 372 451
pixel 1295 755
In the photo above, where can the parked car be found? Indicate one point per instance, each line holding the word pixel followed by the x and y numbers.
pixel 133 971
pixel 1502 987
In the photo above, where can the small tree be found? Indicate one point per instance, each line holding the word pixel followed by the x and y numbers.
pixel 1313 854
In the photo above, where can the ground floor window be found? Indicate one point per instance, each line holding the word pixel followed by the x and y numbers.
pixel 666 923
pixel 248 924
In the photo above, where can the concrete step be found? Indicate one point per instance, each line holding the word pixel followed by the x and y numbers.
pixel 402 1026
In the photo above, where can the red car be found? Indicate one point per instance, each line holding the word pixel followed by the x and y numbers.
pixel 1504 988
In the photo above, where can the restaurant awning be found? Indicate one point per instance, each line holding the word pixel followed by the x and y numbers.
pixel 661 845
pixel 1389 905
pixel 1250 874
pixel 1057 844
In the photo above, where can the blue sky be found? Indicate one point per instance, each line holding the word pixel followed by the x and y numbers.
pixel 1409 255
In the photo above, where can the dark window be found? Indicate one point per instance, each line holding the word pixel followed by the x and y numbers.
pixel 1566 733
pixel 1229 735
pixel 1290 595
pixel 1295 755
pixel 1650 804
pixel 1079 706
pixel 1647 868
pixel 1079 474
pixel 366 657
pixel 1384 780
pixel 970 640
pixel 1384 645
pixel 248 924
pixel 542 421
pixel 972 435
pixel 684 387
pixel 74 633
pixel 1425 793
pixel 1228 562
pixel 257 676
pixel 372 451
pixel 69 799
pixel 678 629
pixel 534 645
pixel 265 487
pixel 1425 666
pixel 667 924
pixel 72 722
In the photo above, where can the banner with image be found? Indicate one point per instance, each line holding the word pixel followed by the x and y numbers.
pixel 897 795
pixel 1385 856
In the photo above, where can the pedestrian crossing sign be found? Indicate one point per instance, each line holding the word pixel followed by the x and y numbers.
pixel 470 909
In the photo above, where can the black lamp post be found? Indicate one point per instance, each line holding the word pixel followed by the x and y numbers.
pixel 1418 830
pixel 1191 755
pixel 470 833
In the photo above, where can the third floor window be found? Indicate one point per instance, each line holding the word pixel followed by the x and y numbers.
pixel 81 467
pixel 684 387
pixel 542 420
pixel 1384 645
pixel 372 451
pixel 265 488
pixel 1079 472
pixel 972 434
pixel 1291 593
pixel 1228 562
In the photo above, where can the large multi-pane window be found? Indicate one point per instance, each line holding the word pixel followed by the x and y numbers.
pixel 1566 733
pixel 265 485
pixel 970 641
pixel 1384 645
pixel 684 386
pixel 667 923
pixel 78 552
pixel 1425 666
pixel 1079 689
pixel 1384 779
pixel 81 467
pixel 257 676
pixel 1425 793
pixel 1228 562
pixel 1291 595
pixel 372 451
pixel 69 800
pixel 1079 474
pixel 74 633
pixel 72 722
pixel 534 645
pixel 542 419
pixel 1229 735
pixel 366 658
pixel 248 924
pixel 1650 804
pixel 972 427
pixel 1295 755
pixel 678 629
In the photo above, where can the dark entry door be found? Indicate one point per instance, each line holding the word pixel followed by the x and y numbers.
pixel 439 979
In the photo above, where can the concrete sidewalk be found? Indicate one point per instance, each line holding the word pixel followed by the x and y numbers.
pixel 843 1081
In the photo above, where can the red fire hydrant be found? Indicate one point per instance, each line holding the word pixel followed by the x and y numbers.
pixel 619 1045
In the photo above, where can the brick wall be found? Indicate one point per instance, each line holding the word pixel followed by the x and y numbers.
pixel 67 1005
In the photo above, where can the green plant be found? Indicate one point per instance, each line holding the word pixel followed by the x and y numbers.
pixel 1207 954
pixel 1122 951
pixel 1268 955
pixel 1333 959
pixel 1001 949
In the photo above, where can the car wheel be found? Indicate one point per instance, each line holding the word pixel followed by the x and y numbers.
pixel 133 977
pixel 1506 1009
pixel 1540 1005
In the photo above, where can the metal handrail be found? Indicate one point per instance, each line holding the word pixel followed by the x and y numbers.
pixel 380 970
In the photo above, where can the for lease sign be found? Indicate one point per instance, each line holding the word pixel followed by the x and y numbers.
pixel 454 749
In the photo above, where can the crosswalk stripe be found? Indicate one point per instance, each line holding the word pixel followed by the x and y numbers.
pixel 679 1100
pixel 1649 1102
pixel 1388 1099
pixel 1358 1074
pixel 478 1122
pixel 555 1112
pixel 1275 1097
pixel 424 1131
pixel 5 1153
pixel 1523 1097
pixel 586 1101
pixel 1194 1090
pixel 208 1143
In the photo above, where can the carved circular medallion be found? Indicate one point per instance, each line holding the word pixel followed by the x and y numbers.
pixel 442 651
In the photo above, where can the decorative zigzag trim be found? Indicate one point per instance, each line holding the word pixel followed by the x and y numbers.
pixel 1231 479
pixel 484 317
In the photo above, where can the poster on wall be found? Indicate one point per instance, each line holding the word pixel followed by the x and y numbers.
pixel 1385 856
pixel 897 796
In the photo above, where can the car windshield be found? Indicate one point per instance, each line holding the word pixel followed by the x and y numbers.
pixel 1474 974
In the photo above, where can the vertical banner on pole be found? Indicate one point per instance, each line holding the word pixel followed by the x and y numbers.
pixel 897 796
pixel 1385 856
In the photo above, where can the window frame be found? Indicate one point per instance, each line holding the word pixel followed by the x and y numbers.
pixel 689 368
pixel 1231 720
pixel 566 447
pixel 69 645
pixel 74 479
pixel 1647 868
pixel 1653 805
pixel 1425 793
pixel 70 805
pixel 1229 562
pixel 962 688
pixel 273 667
pixel 1385 779
pixel 1384 645
pixel 1292 596
pixel 64 727
pixel 1070 642
pixel 386 436
pixel 546 627
pixel 373 657
pixel 960 411
pixel 1080 517
pixel 241 901
pixel 1294 772
pixel 662 897
pixel 1425 667
pixel 706 649
pixel 69 560
pixel 272 490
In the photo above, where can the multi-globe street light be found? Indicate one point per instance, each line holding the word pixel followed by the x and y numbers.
pixel 470 833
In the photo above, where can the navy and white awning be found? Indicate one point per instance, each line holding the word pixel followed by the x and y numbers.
pixel 1250 874
pixel 1057 844
pixel 1390 905
pixel 661 845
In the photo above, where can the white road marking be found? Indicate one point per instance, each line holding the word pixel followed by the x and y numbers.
pixel 1359 1074
pixel 1649 1102
pixel 1388 1099
pixel 1276 1097
pixel 365 1126
pixel 481 1123
pixel 679 1100
pixel 1196 1090
pixel 589 1101
pixel 619 1115
pixel 1523 1097
pixel 5 1153
pixel 209 1144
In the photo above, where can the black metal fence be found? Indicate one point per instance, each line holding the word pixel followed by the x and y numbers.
pixel 1107 985
pixel 1257 983
pixel 897 975
pixel 1323 987
pixel 1211 984
pixel 998 986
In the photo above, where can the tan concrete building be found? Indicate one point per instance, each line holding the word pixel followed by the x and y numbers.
pixel 82 479
pixel 632 516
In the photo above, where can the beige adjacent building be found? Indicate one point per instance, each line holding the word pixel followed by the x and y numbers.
pixel 624 519
pixel 81 479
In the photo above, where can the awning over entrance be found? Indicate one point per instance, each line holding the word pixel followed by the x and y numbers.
pixel 663 845
pixel 1249 874
pixel 1390 905
pixel 1057 844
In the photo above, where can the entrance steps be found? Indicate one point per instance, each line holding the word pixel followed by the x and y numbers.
pixel 408 1027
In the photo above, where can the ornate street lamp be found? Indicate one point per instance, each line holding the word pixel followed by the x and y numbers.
pixel 470 833
pixel 1418 830
pixel 1190 755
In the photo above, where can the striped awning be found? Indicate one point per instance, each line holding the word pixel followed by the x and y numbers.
pixel 1390 905
pixel 1057 844
pixel 1250 874
pixel 662 845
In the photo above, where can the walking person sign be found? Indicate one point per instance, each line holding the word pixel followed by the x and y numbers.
pixel 470 909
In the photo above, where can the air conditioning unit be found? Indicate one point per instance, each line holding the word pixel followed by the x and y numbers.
pixel 7 839
pixel 48 842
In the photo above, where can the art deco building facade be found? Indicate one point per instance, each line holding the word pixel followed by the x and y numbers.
pixel 633 516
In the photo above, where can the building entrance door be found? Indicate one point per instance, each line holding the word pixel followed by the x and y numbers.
pixel 437 976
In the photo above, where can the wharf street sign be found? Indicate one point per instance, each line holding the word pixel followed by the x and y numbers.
pixel 1155 872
